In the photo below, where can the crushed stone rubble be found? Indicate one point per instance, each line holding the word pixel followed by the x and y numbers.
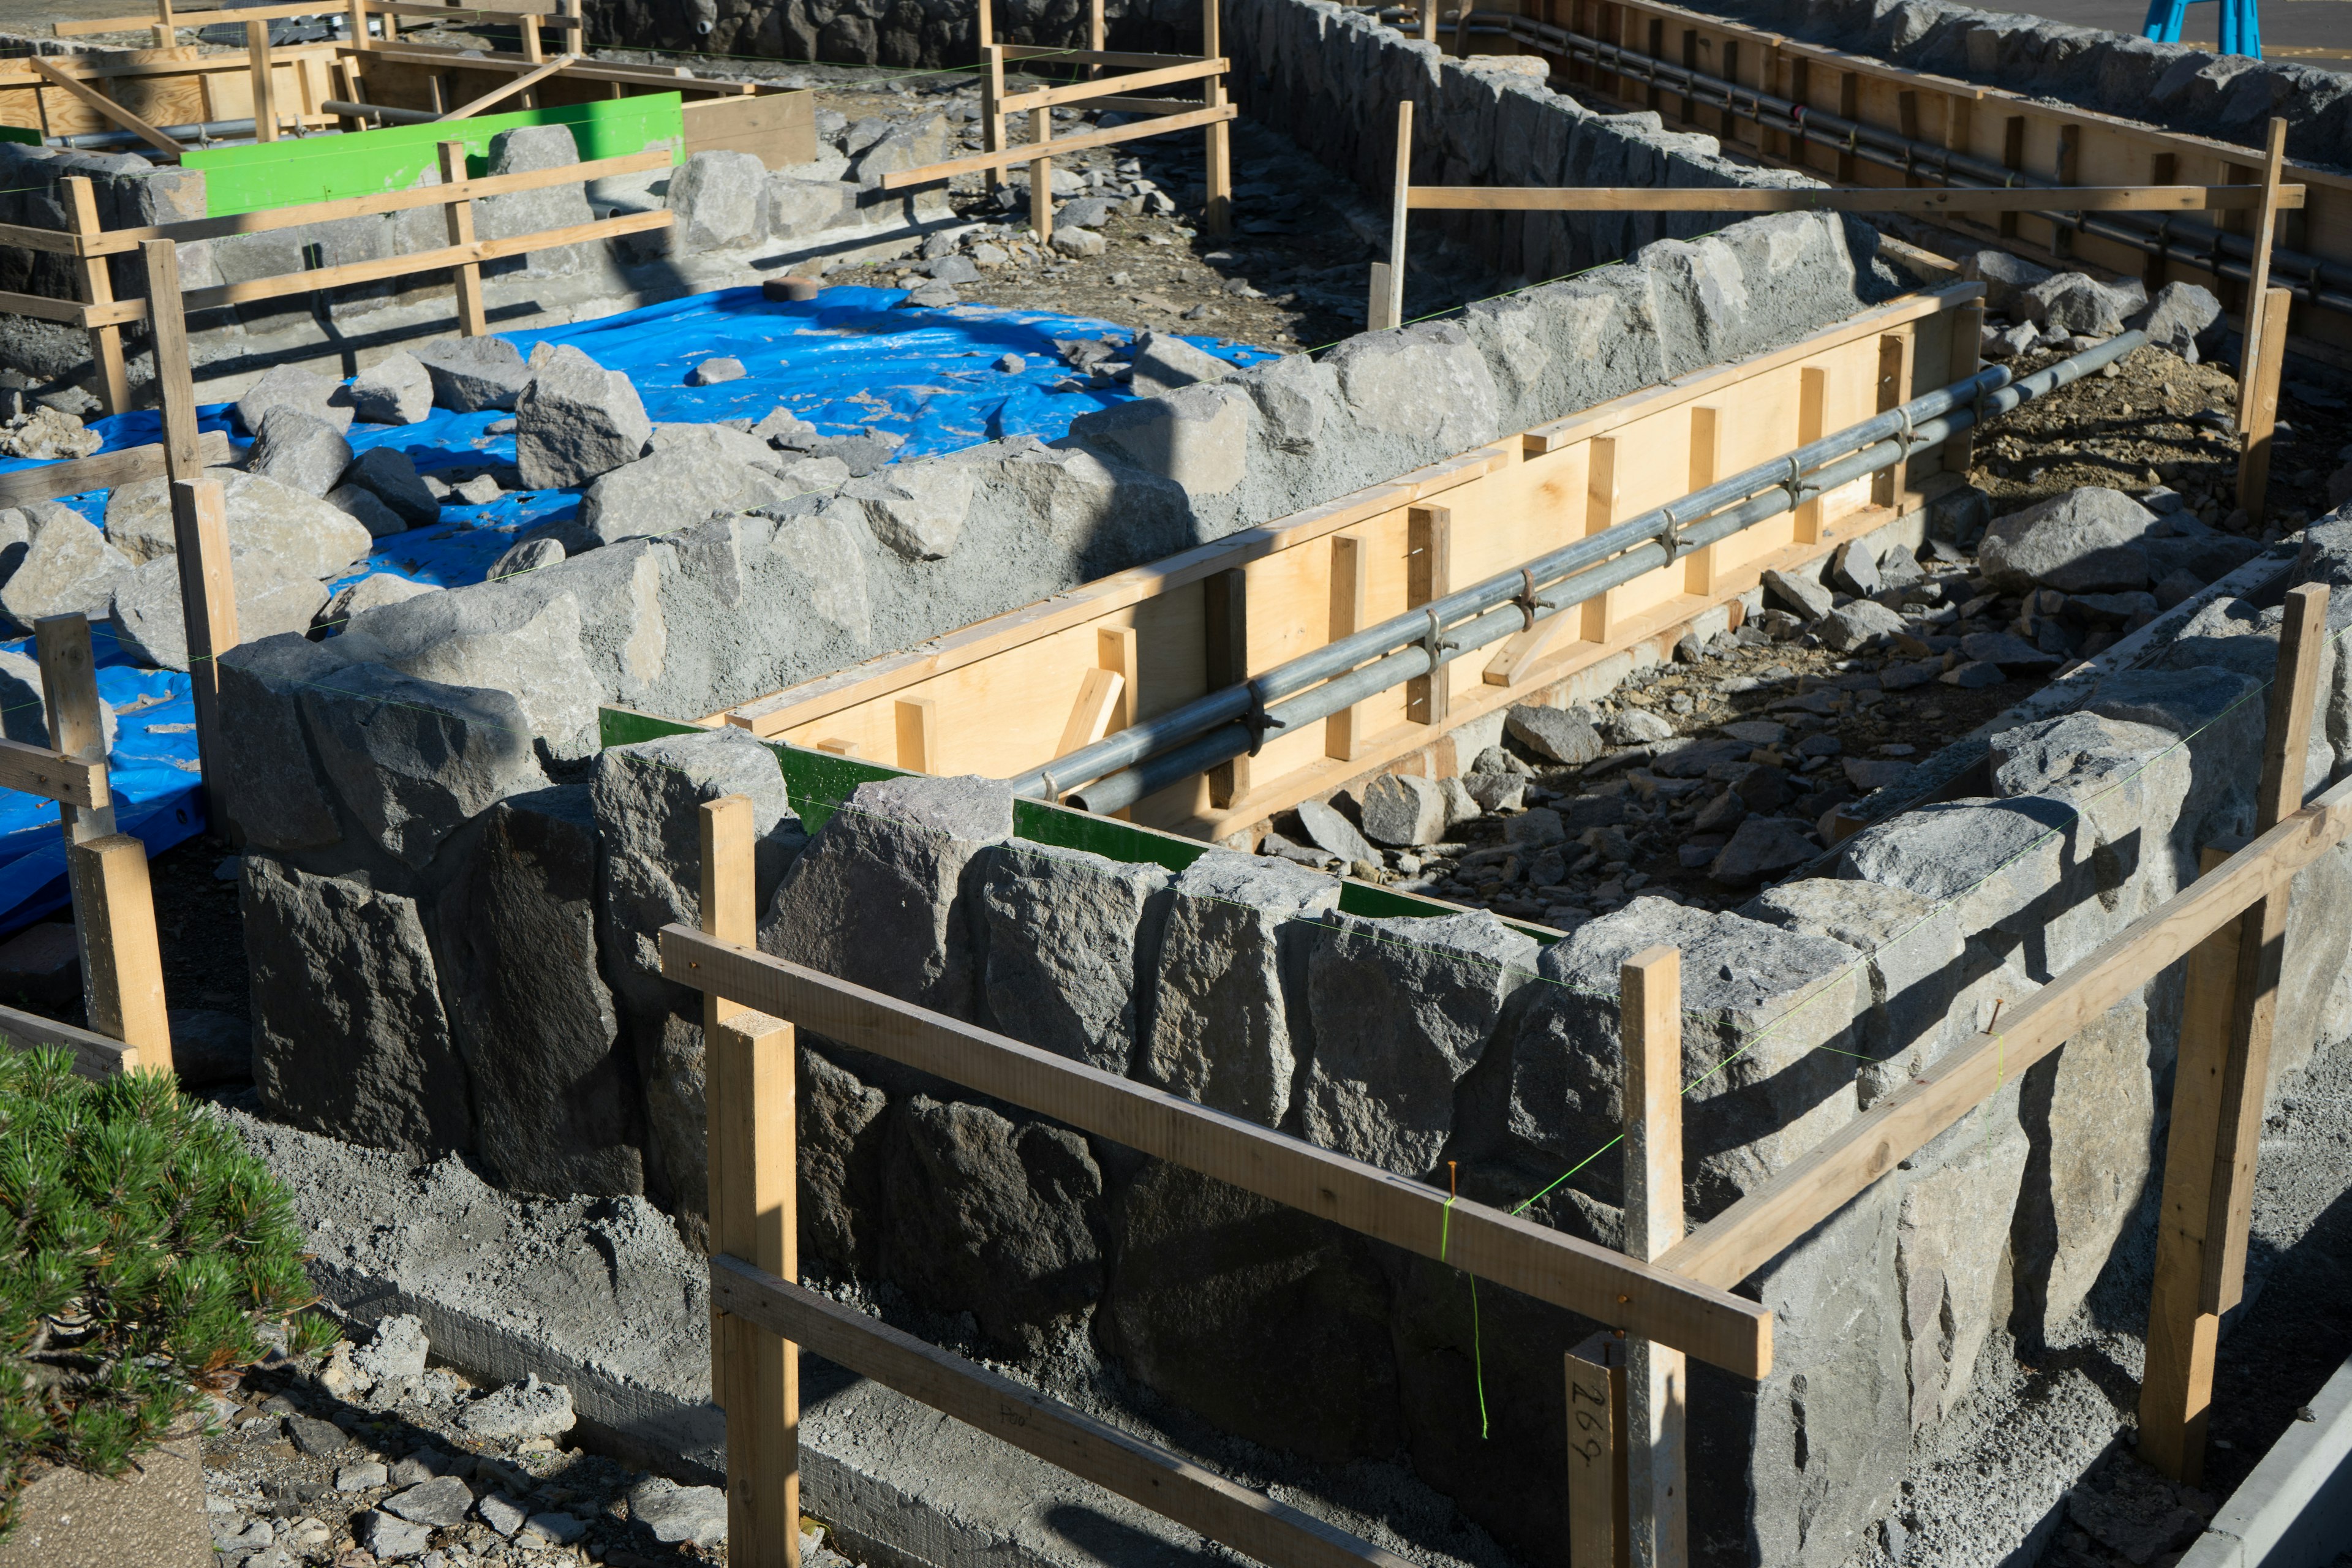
pixel 368 1455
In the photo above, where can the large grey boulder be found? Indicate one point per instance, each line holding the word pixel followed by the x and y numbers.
pixel 917 510
pixel 528 1012
pixel 320 396
pixel 306 533
pixel 300 451
pixel 576 420
pixel 882 896
pixel 473 374
pixel 1001 1220
pixel 523 150
pixel 718 202
pixel 672 490
pixel 2091 1113
pixel 1951 1232
pixel 391 476
pixel 268 784
pixel 842 1155
pixel 2179 315
pixel 68 567
pixel 349 1036
pixel 1759 1003
pixel 2006 278
pixel 907 144
pixel 1554 733
pixel 1164 361
pixel 395 390
pixel 379 520
pixel 1853 626
pixel 148 620
pixel 1404 809
pixel 1228 1009
pixel 532 648
pixel 2085 542
pixel 2072 302
pixel 414 761
pixel 1403 1009
pixel 1065 934
pixel 647 800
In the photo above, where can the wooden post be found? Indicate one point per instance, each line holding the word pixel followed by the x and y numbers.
pixel 1894 374
pixel 2070 173
pixel 358 12
pixel 1217 212
pixel 165 34
pixel 1849 107
pixel 1350 578
pixel 918 722
pixel 991 96
pixel 730 913
pixel 473 318
pixel 1041 176
pixel 1705 468
pixel 752 1139
pixel 1596 1453
pixel 122 967
pixel 208 606
pixel 2176 1388
pixel 1963 358
pixel 2262 940
pixel 2259 399
pixel 1099 693
pixel 1386 309
pixel 1226 621
pixel 1429 576
pixel 1096 34
pixel 265 101
pixel 1650 993
pixel 2012 157
pixel 98 288
pixel 1600 516
pixel 1812 406
pixel 1429 21
pixel 1115 651
pixel 176 385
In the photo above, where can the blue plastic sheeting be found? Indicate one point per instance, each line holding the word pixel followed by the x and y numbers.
pixel 850 361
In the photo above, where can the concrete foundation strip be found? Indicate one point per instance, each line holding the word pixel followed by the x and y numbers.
pixel 2295 1509
pixel 1155 752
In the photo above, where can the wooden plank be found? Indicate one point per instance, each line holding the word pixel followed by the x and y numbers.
pixel 466 278
pixel 1122 58
pixel 106 107
pixel 1930 201
pixel 1598 1536
pixel 105 471
pixel 2261 944
pixel 443 194
pixel 123 966
pixel 1175 1488
pixel 1601 505
pixel 1388 285
pixel 1079 92
pixel 1429 576
pixel 265 90
pixel 498 95
pixel 1756 1229
pixel 1041 175
pixel 1893 390
pixel 1706 423
pixel 36 770
pixel 1224 619
pixel 1522 652
pixel 190 19
pixel 2177 1382
pixel 2258 286
pixel 978 162
pixel 919 735
pixel 98 288
pixel 1100 692
pixel 2258 428
pixel 1650 991
pixel 1115 650
pixel 1964 357
pixel 1350 589
pixel 752 1137
pixel 208 610
pixel 1607 1287
pixel 95 1056
pixel 777 128
pixel 1813 412
pixel 182 447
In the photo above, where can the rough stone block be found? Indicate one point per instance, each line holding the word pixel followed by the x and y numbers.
pixel 473 374
pixel 1164 361
pixel 1404 809
pixel 1229 994
pixel 1065 933
pixel 69 567
pixel 2086 541
pixel 2090 1112
pixel 306 533
pixel 575 420
pixel 395 390
pixel 1554 733
pixel 316 395
pixel 147 617
pixel 531 648
pixel 1403 1009
pixel 391 476
pixel 300 451
pixel 716 199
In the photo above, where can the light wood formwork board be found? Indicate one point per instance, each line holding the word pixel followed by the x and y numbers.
pixel 1002 692
pixel 2049 142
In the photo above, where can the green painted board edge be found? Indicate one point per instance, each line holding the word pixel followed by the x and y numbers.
pixel 266 175
pixel 20 135
pixel 817 782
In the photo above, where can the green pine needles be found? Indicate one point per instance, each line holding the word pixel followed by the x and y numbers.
pixel 143 1252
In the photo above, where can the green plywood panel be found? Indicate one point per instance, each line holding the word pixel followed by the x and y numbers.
pixel 301 170
pixel 20 135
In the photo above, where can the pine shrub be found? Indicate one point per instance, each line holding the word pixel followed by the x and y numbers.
pixel 145 1257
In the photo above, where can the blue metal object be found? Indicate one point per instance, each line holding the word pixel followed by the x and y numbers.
pixel 2241 24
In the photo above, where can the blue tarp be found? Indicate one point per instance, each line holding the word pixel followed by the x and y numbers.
pixel 849 362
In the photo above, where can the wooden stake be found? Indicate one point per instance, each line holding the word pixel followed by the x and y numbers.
pixel 2070 172
pixel 1115 651
pixel 1100 692
pixel 1963 358
pixel 358 10
pixel 473 317
pixel 165 37
pixel 1350 582
pixel 76 729
pixel 122 967
pixel 2012 157
pixel 918 723
pixel 2261 940
pixel 992 97
pixel 1226 620
pixel 752 1153
pixel 176 384
pixel 1217 212
pixel 1813 407
pixel 208 606
pixel 1597 1533
pixel 1705 468
pixel 98 288
pixel 2258 284
pixel 1650 1006
pixel 1041 176
pixel 1600 516
pixel 1429 576
pixel 2177 1387
pixel 1387 309
pixel 2260 419
pixel 1894 375
pixel 265 99
pixel 730 897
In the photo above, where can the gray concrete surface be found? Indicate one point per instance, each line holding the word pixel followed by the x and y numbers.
pixel 2295 1509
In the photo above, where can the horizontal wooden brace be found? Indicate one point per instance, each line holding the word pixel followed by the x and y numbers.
pixel 95 1056
pixel 1047 52
pixel 555 67
pixel 1603 1284
pixel 106 67
pixel 1759 1227
pixel 1030 151
pixel 102 472
pixel 1930 199
pixel 553 19
pixel 52 775
pixel 127 310
pixel 1078 92
pixel 1173 1488
pixel 678 80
